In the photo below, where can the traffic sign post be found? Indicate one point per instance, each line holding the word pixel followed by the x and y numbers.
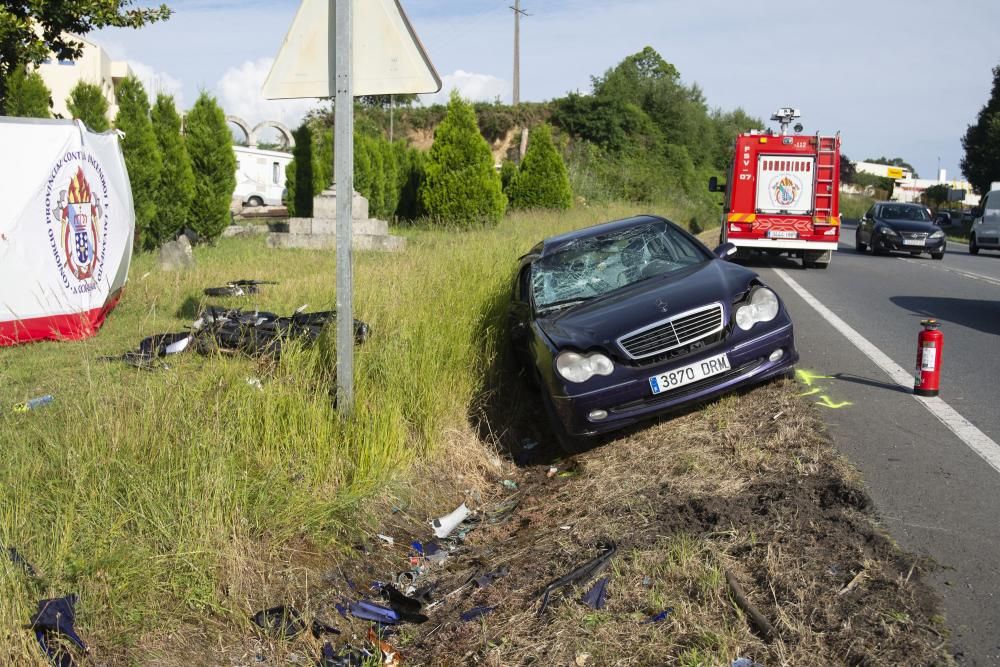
pixel 318 59
pixel 343 176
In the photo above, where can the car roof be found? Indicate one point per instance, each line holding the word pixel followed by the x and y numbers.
pixel 900 203
pixel 554 244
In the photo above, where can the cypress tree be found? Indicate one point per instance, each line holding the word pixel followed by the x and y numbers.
pixel 322 157
pixel 210 144
pixel 542 181
pixel 299 175
pixel 176 188
pixel 142 156
pixel 460 185
pixel 27 95
pixel 87 102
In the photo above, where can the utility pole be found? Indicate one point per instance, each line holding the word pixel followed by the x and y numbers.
pixel 343 171
pixel 517 50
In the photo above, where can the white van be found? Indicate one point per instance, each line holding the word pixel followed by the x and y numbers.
pixel 985 232
pixel 260 176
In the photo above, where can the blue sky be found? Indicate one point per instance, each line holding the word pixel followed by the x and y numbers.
pixel 896 77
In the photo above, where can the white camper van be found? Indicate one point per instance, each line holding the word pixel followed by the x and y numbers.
pixel 260 176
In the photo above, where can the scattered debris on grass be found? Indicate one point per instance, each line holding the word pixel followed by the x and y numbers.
pixel 238 288
pixel 34 403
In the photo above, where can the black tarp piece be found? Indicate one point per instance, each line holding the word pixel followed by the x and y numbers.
pixel 154 347
pixel 345 657
pixel 258 333
pixel 54 621
pixel 17 559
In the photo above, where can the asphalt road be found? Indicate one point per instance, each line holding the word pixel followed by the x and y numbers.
pixel 934 494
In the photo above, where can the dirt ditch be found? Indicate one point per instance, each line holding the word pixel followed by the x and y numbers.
pixel 748 490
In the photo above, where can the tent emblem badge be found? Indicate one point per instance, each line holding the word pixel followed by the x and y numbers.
pixel 79 226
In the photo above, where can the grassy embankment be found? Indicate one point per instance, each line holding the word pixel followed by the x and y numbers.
pixel 154 495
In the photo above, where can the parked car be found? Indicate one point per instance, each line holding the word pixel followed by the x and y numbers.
pixel 944 219
pixel 632 318
pixel 890 226
pixel 985 232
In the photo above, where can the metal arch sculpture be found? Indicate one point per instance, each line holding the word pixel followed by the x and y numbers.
pixel 243 125
pixel 282 129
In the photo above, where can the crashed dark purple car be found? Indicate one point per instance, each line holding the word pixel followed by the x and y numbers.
pixel 627 319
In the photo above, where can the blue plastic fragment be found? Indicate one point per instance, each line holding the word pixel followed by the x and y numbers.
pixel 418 547
pixel 476 612
pixel 341 609
pixel 369 611
pixel 377 586
pixel 431 548
pixel 597 596
pixel 662 616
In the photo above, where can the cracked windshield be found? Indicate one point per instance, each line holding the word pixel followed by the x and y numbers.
pixel 591 267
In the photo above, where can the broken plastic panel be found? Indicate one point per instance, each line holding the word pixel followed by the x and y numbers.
pixel 580 575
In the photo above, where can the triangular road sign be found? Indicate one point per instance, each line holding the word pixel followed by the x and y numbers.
pixel 387 57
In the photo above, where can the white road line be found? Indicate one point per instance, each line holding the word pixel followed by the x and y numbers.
pixel 965 274
pixel 975 439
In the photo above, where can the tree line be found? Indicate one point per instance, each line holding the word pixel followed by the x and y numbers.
pixel 182 173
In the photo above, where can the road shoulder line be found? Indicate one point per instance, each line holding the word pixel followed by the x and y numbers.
pixel 967 432
pixel 959 272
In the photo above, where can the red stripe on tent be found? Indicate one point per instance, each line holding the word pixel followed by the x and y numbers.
pixel 72 326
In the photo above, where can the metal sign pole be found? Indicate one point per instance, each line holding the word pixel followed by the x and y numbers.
pixel 343 174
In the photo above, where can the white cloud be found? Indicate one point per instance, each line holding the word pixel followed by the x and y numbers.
pixel 239 94
pixel 158 82
pixel 471 86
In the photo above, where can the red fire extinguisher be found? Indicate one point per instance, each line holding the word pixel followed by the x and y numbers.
pixel 930 342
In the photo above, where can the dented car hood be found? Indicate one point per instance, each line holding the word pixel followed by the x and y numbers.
pixel 601 321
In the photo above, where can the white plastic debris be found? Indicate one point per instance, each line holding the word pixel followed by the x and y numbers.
pixel 444 525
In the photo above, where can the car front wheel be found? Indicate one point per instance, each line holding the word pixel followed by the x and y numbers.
pixel 858 245
pixel 937 255
pixel 973 246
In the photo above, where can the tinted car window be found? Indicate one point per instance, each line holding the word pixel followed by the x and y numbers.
pixel 903 212
pixel 591 267
pixel 992 207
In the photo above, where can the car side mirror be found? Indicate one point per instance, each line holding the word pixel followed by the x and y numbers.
pixel 715 186
pixel 725 251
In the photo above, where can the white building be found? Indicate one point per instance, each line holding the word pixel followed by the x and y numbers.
pixel 93 66
pixel 260 176
pixel 882 170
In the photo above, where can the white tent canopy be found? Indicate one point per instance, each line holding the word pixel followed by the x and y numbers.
pixel 66 229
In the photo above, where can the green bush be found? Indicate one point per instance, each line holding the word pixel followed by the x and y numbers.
pixel 460 185
pixel 87 102
pixel 27 95
pixel 542 180
pixel 210 144
pixel 142 157
pixel 300 170
pixel 176 187
pixel 508 171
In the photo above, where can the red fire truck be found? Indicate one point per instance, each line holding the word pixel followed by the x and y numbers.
pixel 783 195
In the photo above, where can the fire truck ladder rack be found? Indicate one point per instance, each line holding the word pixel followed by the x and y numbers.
pixel 826 163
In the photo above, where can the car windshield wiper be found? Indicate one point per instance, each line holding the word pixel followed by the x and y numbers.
pixel 564 303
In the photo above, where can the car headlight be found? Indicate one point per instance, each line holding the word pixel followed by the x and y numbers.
pixel 577 367
pixel 763 307
pixel 937 235
pixel 889 231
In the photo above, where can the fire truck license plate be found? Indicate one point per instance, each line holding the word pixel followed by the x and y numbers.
pixel 690 373
pixel 782 234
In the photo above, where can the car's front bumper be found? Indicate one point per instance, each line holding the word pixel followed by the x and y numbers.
pixel 633 400
pixel 895 243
